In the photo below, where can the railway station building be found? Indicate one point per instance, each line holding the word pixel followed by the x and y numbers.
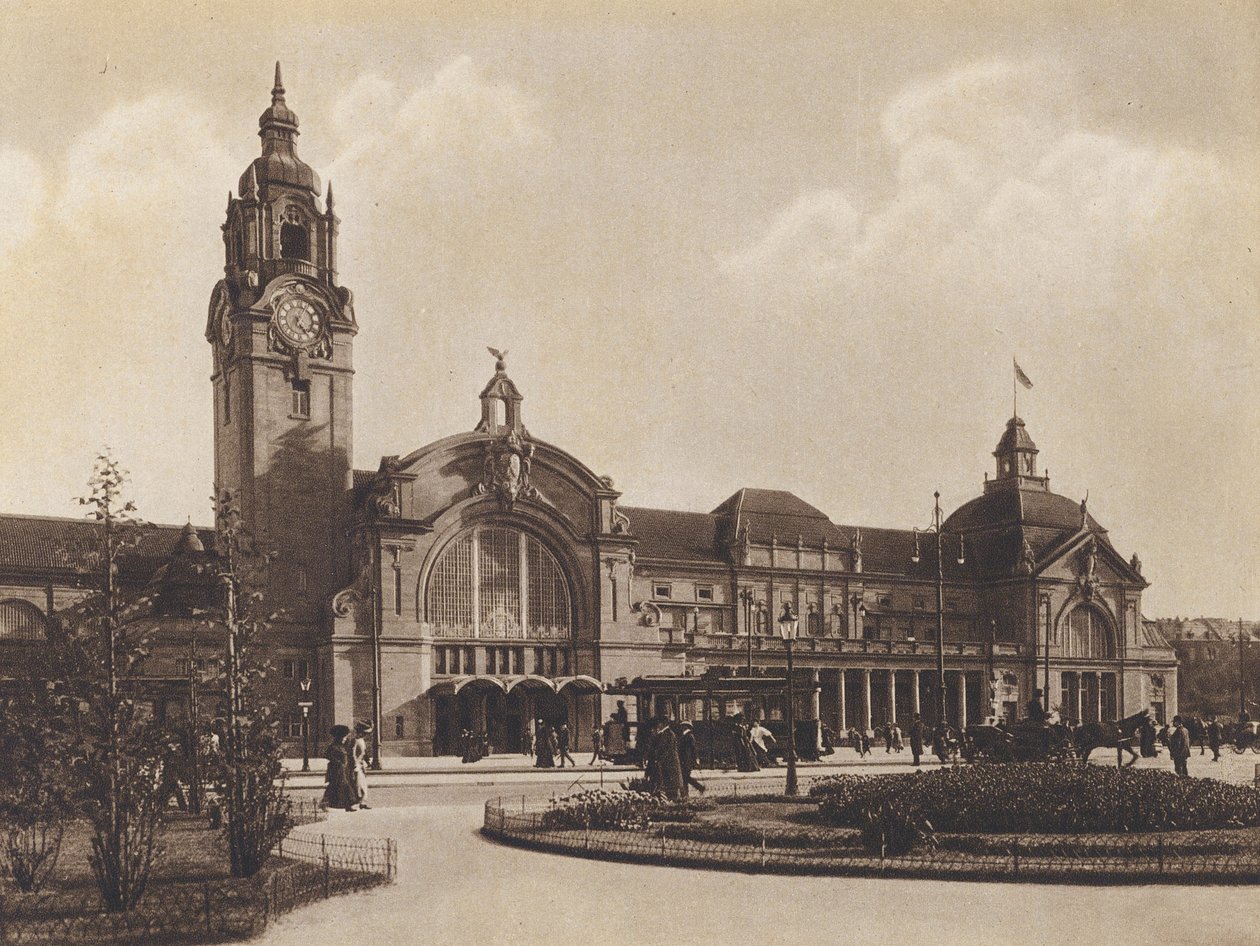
pixel 489 577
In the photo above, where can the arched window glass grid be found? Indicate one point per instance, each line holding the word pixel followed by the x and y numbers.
pixel 498 583
pixel 1089 634
pixel 21 621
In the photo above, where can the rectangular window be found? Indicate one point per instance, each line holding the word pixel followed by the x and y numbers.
pixel 885 601
pixel 564 663
pixel 399 730
pixel 920 604
pixel 287 668
pixel 662 591
pixel 518 660
pixel 470 660
pixel 397 590
pixel 540 665
pixel 181 667
pixel 492 660
pixel 551 662
pixel 227 399
pixel 704 592
pixel 295 727
pixel 301 406
pixel 951 604
pixel 439 660
pixel 303 669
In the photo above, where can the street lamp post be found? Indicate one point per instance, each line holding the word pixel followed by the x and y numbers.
pixel 788 626
pixel 306 703
pixel 746 596
pixel 940 601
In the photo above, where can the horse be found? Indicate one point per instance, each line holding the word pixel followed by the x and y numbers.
pixel 1121 734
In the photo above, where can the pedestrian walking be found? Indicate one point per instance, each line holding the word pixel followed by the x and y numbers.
pixel 917 732
pixel 597 743
pixel 688 758
pixel 895 735
pixel 339 789
pixel 1179 746
pixel 664 769
pixel 544 746
pixel 359 751
pixel 1215 735
pixel 562 745
pixel 527 739
pixel 762 742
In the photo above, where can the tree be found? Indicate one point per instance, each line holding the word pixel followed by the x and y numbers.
pixel 36 795
pixel 99 650
pixel 255 807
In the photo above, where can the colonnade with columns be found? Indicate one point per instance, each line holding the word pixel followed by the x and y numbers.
pixel 870 697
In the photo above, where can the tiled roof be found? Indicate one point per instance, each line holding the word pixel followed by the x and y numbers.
pixel 778 514
pixel 664 533
pixel 47 543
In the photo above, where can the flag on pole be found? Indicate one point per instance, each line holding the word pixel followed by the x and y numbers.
pixel 1020 376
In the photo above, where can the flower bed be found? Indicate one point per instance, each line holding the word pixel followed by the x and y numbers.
pixel 1042 798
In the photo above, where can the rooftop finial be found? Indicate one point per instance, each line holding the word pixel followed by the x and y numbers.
pixel 277 91
pixel 500 359
pixel 328 203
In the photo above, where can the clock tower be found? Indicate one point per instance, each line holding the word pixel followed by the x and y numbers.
pixel 282 333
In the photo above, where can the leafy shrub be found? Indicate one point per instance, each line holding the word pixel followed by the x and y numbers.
pixel 599 808
pixel 1042 798
pixel 890 829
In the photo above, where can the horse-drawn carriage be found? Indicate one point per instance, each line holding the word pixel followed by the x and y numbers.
pixel 1243 736
pixel 1027 740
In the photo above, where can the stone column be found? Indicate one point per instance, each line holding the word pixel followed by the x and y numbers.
pixel 866 699
pixel 915 694
pixel 962 699
pixel 844 715
pixel 892 697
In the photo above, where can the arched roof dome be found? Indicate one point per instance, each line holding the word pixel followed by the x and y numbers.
pixel 1000 508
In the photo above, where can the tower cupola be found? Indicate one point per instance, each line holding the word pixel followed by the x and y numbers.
pixel 1016 456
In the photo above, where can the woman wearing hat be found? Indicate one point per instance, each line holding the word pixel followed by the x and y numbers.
pixel 339 792
pixel 359 748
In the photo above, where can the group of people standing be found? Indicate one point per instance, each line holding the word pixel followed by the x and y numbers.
pixel 346 776
pixel 669 756
pixel 549 745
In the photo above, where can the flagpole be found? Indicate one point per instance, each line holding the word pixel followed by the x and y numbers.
pixel 1014 389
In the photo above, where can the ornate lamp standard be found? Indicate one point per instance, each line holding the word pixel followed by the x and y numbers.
pixel 751 606
pixel 935 529
pixel 306 703
pixel 788 627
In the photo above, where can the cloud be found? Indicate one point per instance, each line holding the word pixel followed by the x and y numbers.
pixel 1121 270
pixel 22 196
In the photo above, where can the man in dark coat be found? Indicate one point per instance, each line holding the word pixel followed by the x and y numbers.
pixel 1215 734
pixel 665 771
pixel 1179 746
pixel 688 758
pixel 917 732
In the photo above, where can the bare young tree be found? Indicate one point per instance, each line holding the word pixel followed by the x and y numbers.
pixel 99 652
pixel 256 810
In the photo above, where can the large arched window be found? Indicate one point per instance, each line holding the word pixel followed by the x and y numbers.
pixel 1089 634
pixel 21 621
pixel 498 582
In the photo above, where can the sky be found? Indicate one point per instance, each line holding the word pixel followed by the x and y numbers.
pixel 793 246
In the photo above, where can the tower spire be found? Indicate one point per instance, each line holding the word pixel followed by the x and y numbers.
pixel 277 91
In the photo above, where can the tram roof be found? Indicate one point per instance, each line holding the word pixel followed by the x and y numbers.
pixel 701 686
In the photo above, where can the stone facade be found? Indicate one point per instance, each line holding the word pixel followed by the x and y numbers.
pixel 490 578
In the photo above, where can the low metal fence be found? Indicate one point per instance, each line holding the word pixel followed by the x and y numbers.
pixel 1226 856
pixel 311 867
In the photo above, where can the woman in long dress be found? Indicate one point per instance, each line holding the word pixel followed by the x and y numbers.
pixel 339 790
pixel 359 748
pixel 544 747
pixel 665 765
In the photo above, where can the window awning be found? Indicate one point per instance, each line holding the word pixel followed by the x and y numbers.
pixel 580 682
pixel 455 684
pixel 529 680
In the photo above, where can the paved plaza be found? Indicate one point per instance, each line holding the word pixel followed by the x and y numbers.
pixel 456 887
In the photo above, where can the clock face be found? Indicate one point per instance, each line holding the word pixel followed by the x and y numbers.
pixel 299 321
pixel 225 326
